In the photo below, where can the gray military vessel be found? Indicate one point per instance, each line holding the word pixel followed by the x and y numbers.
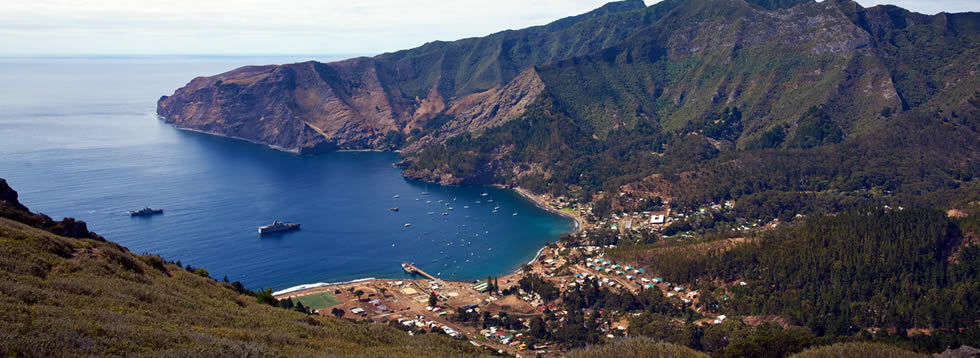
pixel 277 226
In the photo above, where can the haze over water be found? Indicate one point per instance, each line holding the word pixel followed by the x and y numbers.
pixel 81 139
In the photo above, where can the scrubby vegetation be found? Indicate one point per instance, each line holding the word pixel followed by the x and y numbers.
pixel 637 348
pixel 864 350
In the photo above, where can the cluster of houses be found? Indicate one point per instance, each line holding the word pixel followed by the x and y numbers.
pixel 420 322
pixel 630 273
pixel 509 339
pixel 604 265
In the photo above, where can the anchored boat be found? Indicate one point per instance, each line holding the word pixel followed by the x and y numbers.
pixel 278 226
pixel 147 211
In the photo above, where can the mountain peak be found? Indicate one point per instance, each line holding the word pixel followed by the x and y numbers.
pixel 608 8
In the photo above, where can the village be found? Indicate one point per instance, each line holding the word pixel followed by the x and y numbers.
pixel 429 304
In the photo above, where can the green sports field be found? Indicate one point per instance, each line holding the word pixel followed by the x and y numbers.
pixel 318 301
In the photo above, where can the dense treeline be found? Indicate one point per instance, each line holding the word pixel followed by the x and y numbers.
pixel 864 268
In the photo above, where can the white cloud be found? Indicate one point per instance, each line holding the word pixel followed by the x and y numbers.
pixel 281 26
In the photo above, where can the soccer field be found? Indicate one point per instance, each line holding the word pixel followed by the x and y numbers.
pixel 318 301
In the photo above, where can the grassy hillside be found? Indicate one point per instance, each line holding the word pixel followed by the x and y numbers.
pixel 61 296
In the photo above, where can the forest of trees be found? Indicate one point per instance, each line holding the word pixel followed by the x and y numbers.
pixel 867 267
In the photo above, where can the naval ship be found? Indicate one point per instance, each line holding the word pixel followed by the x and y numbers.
pixel 277 226
pixel 147 211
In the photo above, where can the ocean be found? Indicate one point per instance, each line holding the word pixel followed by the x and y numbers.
pixel 81 139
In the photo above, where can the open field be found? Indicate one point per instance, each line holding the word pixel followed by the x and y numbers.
pixel 319 300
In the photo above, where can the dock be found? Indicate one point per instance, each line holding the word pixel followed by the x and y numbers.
pixel 411 268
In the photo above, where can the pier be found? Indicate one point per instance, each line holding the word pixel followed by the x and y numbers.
pixel 411 268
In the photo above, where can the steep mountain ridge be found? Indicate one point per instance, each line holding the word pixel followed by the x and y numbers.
pixel 314 107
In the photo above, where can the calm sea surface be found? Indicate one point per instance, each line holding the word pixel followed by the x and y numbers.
pixel 80 138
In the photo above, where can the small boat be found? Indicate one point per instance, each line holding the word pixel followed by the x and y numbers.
pixel 484 194
pixel 147 211
pixel 407 267
pixel 515 214
pixel 278 226
pixel 426 192
pixel 407 225
pixel 445 213
pixel 394 209
pixel 396 196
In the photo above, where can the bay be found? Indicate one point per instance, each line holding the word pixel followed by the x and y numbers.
pixel 81 139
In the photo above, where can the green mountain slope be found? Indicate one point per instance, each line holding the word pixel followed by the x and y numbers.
pixel 822 96
pixel 63 296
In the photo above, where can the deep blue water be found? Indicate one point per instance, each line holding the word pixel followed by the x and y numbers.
pixel 80 139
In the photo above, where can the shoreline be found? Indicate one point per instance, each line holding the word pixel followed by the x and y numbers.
pixel 270 146
pixel 541 204
pixel 310 286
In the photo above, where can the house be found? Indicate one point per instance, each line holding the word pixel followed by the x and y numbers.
pixel 357 310
pixel 657 219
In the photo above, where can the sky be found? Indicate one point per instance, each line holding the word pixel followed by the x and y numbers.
pixel 267 27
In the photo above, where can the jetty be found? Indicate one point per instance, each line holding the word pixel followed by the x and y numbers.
pixel 411 268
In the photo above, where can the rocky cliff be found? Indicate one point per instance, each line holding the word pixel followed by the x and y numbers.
pixel 314 107
pixel 12 209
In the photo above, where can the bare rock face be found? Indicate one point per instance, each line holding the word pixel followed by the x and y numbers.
pixel 315 107
pixel 12 209
pixel 302 108
pixel 491 108
pixel 8 197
